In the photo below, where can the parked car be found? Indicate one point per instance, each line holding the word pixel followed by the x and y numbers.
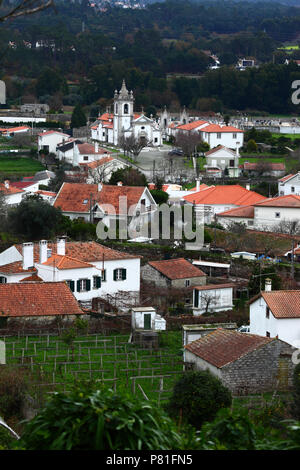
pixel 244 329
pixel 178 152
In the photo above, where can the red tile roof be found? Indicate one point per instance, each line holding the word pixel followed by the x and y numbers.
pixel 15 268
pixel 75 197
pixel 178 268
pixel 22 184
pixel 66 262
pixel 222 347
pixel 10 190
pixel 98 163
pixel 282 303
pixel 52 132
pixel 290 200
pixel 105 117
pixel 231 194
pixel 228 285
pixel 37 299
pixel 46 193
pixel 213 128
pixel 83 251
pixel 191 125
pixel 32 278
pixel 90 149
pixel 245 211
pixel 216 149
pixel 286 178
pixel 267 166
pixel 15 129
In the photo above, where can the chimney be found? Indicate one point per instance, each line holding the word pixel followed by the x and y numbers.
pixel 197 185
pixel 61 246
pixel 99 187
pixel 28 255
pixel 119 183
pixel 6 184
pixel 248 186
pixel 237 149
pixel 268 285
pixel 43 251
pixel 96 147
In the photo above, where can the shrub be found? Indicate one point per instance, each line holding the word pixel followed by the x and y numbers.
pixel 13 388
pixel 89 419
pixel 197 397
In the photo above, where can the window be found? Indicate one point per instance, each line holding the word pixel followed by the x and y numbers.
pixel 187 283
pixel 71 285
pixel 143 127
pixel 250 222
pixel 196 298
pixel 268 334
pixel 119 274
pixel 125 108
pixel 156 139
pixel 83 285
pixel 277 215
pixel 103 277
pixel 234 136
pixel 292 189
pixel 3 280
pixel 103 134
pixel 219 135
pixel 85 158
pixel 96 282
pixel 267 312
pixel 231 163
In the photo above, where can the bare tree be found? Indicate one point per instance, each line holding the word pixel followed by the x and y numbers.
pixel 188 142
pixel 292 227
pixel 26 7
pixel 3 205
pixel 133 145
pixel 208 300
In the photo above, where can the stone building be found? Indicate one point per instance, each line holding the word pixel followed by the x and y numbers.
pixel 244 363
pixel 176 273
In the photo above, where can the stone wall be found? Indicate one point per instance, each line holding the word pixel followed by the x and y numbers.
pixel 268 368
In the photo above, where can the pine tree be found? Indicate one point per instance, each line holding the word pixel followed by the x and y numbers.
pixel 78 117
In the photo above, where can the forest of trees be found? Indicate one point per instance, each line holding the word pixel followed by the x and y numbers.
pixel 86 53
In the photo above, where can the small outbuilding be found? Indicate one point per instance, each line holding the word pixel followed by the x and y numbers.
pixel 146 318
pixel 245 363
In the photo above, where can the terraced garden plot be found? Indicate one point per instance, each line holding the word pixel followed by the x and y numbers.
pixel 109 359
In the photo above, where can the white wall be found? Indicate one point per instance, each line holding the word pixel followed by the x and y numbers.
pixel 201 364
pixel 11 255
pixel 226 139
pixel 51 140
pixel 285 189
pixel 265 217
pixel 287 329
pixel 221 299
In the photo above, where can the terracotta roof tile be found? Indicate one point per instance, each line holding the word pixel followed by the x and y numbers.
pixel 15 268
pixel 66 262
pixel 98 163
pixel 267 166
pixel 191 125
pixel 75 197
pixel 213 128
pixel 215 286
pixel 178 268
pixel 90 149
pixel 10 190
pixel 290 200
pixel 286 178
pixel 83 251
pixel 283 303
pixel 221 347
pixel 37 299
pixel 245 211
pixel 231 194
pixel 32 278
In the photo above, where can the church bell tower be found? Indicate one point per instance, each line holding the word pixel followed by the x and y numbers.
pixel 123 111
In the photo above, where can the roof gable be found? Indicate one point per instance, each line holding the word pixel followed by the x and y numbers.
pixel 178 268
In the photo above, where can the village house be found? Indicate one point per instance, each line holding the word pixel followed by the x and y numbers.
pixel 12 195
pixel 101 202
pixel 85 153
pixel 11 131
pixel 223 158
pixel 289 184
pixel 177 273
pixel 218 199
pixel 244 215
pixel 102 170
pixel 49 140
pixel 263 169
pixel 90 269
pixel 212 298
pixel 276 314
pixel 37 302
pixel 65 150
pixel 245 363
pixel 111 128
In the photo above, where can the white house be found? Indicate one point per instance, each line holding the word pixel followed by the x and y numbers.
pixel 65 150
pixel 276 314
pixel 13 196
pixel 95 202
pixel 289 184
pixel 218 199
pixel 85 153
pixel 49 140
pixel 272 211
pixel 244 215
pixel 223 158
pixel 124 122
pixel 90 269
pixel 101 170
pixel 212 298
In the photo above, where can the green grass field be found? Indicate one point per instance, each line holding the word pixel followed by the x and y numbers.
pixel 11 164
pixel 289 136
pixel 110 359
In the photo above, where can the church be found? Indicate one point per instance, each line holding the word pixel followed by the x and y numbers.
pixel 111 128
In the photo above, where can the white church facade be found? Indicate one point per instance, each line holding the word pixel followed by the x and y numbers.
pixel 111 128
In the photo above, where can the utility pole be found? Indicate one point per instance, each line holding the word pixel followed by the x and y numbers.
pixel 292 259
